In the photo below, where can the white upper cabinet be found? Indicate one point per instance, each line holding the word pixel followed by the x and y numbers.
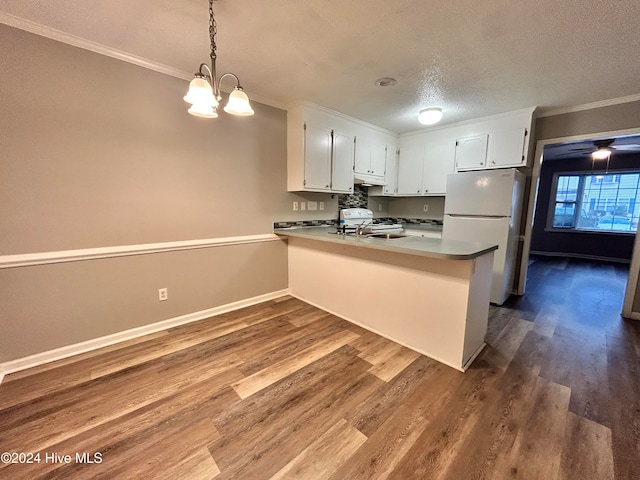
pixel 438 163
pixel 342 164
pixel 372 149
pixel 379 152
pixel 509 147
pixel 328 152
pixel 320 151
pixel 501 141
pixel 391 171
pixel 410 165
pixel 471 152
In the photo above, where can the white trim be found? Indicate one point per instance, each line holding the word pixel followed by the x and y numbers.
pixel 588 106
pixel 344 116
pixel 69 39
pixel 44 258
pixel 96 343
pixel 107 51
pixel 1 374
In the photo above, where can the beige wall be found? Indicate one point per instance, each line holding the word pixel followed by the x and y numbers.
pixel 95 152
pixel 413 207
pixel 50 306
pixel 604 119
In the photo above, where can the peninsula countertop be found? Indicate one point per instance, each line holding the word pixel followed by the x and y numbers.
pixel 421 246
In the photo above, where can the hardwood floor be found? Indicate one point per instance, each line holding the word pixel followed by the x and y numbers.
pixel 282 390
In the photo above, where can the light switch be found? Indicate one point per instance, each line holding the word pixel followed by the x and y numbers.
pixel 312 205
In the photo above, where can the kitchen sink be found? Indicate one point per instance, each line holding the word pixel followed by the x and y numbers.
pixel 387 236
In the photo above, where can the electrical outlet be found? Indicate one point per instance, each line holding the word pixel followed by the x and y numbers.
pixel 295 206
pixel 321 205
pixel 163 294
pixel 303 205
pixel 425 208
pixel 312 205
pixel 379 207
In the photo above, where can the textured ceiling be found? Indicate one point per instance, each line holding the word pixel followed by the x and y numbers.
pixel 473 58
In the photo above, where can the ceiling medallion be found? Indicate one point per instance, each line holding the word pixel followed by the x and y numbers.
pixel 386 82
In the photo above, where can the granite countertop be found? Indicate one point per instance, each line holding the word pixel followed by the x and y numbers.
pixel 421 246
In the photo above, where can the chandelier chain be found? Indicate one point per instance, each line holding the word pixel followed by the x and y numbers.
pixel 212 30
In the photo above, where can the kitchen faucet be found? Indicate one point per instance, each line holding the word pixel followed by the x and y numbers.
pixel 360 228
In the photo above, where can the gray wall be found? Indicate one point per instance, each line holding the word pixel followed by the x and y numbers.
pixel 95 152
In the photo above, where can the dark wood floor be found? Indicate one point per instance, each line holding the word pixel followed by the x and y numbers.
pixel 283 390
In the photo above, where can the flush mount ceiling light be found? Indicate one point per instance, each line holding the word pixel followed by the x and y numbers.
pixel 204 90
pixel 430 116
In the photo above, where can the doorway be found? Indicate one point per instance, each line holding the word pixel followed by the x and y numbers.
pixel 535 197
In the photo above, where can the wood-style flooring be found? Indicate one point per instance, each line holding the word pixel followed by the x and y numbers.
pixel 282 390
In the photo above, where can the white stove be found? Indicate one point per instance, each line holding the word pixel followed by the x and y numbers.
pixel 353 218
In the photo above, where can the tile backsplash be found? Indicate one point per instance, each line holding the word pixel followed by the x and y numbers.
pixel 358 199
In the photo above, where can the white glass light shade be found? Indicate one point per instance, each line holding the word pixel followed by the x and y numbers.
pixel 601 154
pixel 200 92
pixel 203 110
pixel 430 116
pixel 238 104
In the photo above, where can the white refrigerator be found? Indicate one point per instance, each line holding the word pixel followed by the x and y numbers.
pixel 486 206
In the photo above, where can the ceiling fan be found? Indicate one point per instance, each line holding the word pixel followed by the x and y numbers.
pixel 598 149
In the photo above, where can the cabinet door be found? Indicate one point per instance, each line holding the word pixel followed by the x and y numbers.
pixel 471 152
pixel 342 162
pixel 410 164
pixel 378 159
pixel 317 157
pixel 507 148
pixel 363 156
pixel 439 162
pixel 391 169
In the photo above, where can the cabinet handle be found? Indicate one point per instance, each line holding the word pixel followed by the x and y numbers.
pixel 481 163
pixel 327 186
pixel 493 162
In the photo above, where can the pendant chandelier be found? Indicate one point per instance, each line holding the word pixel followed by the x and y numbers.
pixel 204 90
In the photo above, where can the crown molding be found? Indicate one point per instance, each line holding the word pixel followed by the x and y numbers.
pixel 101 49
pixel 588 106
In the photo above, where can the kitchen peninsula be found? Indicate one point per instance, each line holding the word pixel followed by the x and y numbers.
pixel 428 294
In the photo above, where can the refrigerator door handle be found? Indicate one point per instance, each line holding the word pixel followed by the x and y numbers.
pixel 455 215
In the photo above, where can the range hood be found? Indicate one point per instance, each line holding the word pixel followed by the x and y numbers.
pixel 368 180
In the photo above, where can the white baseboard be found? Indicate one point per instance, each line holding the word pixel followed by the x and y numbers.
pixel 93 344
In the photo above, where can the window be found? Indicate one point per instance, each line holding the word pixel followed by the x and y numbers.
pixel 600 202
